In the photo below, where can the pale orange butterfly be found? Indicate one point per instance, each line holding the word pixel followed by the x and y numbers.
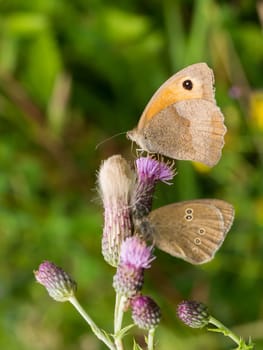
pixel 182 120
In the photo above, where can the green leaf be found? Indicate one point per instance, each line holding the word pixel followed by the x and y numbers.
pixel 107 335
pixel 123 331
pixel 24 23
pixel 42 67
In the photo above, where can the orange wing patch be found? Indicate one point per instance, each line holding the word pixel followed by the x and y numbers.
pixel 170 92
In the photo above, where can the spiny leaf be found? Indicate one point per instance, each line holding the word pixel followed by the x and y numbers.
pixel 123 332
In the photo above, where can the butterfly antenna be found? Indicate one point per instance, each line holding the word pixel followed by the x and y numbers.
pixel 109 138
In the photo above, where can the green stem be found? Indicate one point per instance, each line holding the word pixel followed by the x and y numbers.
pixel 96 330
pixel 151 339
pixel 224 330
pixel 118 316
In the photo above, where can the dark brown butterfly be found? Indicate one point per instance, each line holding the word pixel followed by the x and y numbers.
pixel 191 230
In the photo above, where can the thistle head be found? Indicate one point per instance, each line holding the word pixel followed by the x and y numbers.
pixel 135 257
pixel 59 285
pixel 193 313
pixel 116 182
pixel 149 172
pixel 146 314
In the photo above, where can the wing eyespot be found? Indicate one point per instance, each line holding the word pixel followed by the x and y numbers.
pixel 189 214
pixel 197 241
pixel 187 84
pixel 189 211
pixel 188 217
pixel 195 250
pixel 201 231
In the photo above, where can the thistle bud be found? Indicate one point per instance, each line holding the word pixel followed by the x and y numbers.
pixel 116 181
pixel 146 314
pixel 59 285
pixel 194 314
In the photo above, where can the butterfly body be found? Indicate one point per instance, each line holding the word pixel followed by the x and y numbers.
pixel 182 120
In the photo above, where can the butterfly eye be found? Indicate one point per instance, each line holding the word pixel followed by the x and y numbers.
pixel 187 84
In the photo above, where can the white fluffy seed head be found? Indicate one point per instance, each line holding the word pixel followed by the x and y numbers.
pixel 116 180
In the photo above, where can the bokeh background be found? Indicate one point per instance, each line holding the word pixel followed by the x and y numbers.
pixel 74 73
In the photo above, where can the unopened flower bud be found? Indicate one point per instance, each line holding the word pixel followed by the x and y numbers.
pixel 193 313
pixel 116 182
pixel 146 314
pixel 59 285
pixel 135 256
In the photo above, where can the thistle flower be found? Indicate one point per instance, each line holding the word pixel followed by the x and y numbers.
pixel 193 313
pixel 149 172
pixel 116 181
pixel 135 257
pixel 146 314
pixel 59 285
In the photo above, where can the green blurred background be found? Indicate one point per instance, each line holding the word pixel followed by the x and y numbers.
pixel 73 74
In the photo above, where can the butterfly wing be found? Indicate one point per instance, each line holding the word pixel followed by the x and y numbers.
pixel 191 230
pixel 226 210
pixel 187 130
pixel 172 90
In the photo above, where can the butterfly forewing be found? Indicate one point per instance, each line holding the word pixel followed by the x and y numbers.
pixel 191 230
pixel 172 90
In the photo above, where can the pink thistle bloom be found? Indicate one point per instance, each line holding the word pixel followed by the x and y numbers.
pixel 152 170
pixel 135 252
pixel 149 172
pixel 135 256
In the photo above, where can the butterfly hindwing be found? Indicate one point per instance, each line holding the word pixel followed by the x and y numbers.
pixel 191 230
pixel 188 130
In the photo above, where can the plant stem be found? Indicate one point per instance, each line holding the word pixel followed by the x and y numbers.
pixel 96 330
pixel 118 316
pixel 224 330
pixel 151 339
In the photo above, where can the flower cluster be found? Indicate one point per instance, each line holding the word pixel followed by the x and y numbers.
pixel 127 195
pixel 127 198
pixel 135 257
